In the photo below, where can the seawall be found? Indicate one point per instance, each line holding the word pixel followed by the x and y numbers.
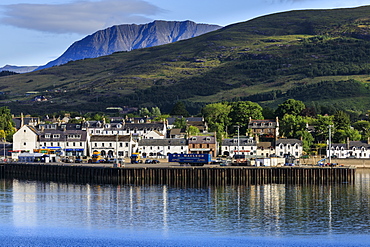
pixel 179 176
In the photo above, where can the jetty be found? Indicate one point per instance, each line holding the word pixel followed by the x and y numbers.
pixel 176 175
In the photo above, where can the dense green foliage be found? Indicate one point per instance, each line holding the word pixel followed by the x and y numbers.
pixel 319 57
pixel 6 124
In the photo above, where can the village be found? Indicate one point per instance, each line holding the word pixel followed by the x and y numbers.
pixel 121 138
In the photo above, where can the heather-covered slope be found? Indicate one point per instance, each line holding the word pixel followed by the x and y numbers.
pixel 318 56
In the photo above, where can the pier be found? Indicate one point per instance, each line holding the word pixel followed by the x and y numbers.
pixel 179 176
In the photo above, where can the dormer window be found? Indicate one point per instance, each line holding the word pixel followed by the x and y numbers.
pixel 47 135
pixel 56 136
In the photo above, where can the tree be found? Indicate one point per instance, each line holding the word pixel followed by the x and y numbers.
pixel 363 127
pixel 6 123
pixel 291 107
pixel 192 131
pixel 307 140
pixel 179 109
pixel 292 126
pixel 180 123
pixel 156 111
pixel 144 112
pixel 341 120
pixel 217 117
pixel 322 127
pixel 341 135
pixel 242 111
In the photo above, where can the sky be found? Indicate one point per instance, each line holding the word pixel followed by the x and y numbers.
pixel 34 32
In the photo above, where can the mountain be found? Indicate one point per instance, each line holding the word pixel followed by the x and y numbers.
pixel 18 69
pixel 130 37
pixel 318 56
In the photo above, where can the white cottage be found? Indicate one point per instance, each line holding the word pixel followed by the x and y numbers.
pixel 352 149
pixel 289 147
pixel 109 146
pixel 162 147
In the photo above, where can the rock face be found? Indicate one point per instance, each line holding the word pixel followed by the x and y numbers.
pixel 130 37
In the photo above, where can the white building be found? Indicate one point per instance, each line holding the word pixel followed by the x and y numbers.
pixel 352 149
pixel 69 139
pixel 289 147
pixel 113 145
pixel 162 147
pixel 137 130
pixel 245 146
pixel 25 140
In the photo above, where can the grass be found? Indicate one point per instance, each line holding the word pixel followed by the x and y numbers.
pixel 276 52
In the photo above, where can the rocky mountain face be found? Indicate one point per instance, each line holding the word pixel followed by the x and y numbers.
pixel 130 37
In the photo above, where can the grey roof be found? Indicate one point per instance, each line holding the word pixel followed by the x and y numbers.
pixel 264 124
pixel 110 138
pixel 26 121
pixel 202 140
pixel 142 126
pixel 163 142
pixel 242 142
pixel 288 141
pixel 63 135
pixel 352 144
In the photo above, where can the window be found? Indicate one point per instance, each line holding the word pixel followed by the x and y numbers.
pixel 56 136
pixel 126 144
pixel 47 135
pixel 120 144
pixel 24 131
pixel 95 144
pixel 24 143
pixel 74 144
pixel 97 131
pixel 102 144
pixel 110 144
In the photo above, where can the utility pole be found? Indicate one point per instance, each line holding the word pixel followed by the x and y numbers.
pixel 330 143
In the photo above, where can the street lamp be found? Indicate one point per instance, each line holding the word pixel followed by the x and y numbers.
pixel 330 143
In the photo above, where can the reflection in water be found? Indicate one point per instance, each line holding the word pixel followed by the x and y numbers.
pixel 256 210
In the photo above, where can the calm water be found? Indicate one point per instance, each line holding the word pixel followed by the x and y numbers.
pixel 56 214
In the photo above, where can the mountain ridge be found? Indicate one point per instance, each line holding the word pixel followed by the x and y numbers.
pixel 266 60
pixel 128 37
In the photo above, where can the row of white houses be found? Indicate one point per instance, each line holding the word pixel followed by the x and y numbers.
pixel 74 140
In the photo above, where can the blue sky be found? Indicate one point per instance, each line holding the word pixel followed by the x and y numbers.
pixel 34 32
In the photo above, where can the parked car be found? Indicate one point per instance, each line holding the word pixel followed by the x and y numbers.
pixel 155 161
pixel 148 161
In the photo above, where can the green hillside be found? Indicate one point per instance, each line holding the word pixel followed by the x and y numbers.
pixel 317 56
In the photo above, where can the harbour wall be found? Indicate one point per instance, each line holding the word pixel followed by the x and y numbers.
pixel 179 176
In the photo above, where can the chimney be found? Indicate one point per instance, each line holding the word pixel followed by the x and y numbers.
pixel 22 119
pixel 256 137
pixel 348 143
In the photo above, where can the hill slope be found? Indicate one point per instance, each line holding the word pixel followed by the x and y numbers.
pixel 267 60
pixel 130 37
